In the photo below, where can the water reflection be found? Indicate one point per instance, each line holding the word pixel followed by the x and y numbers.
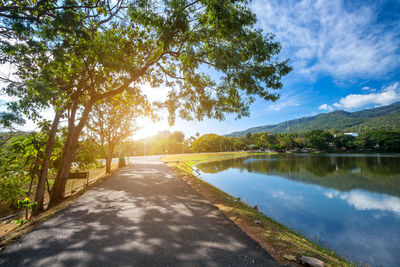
pixel 371 172
pixel 366 201
pixel 347 203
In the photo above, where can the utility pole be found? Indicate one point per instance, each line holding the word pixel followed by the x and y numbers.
pixel 144 149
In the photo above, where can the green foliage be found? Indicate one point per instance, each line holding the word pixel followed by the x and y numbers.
pixel 11 188
pixel 322 140
pixel 18 164
pixel 162 143
pixel 74 57
pixel 345 142
pixel 19 222
pixel 7 119
pixel 20 159
pixel 113 121
pixel 178 136
pixel 27 205
pixel 87 154
pixel 99 164
pixel 319 139
pixel 212 143
pixel 80 53
pixel 385 141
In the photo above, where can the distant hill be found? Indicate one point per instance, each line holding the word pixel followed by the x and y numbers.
pixel 381 118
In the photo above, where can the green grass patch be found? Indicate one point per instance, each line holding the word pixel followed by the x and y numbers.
pixel 192 159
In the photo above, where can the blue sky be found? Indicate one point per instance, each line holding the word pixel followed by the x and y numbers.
pixel 345 55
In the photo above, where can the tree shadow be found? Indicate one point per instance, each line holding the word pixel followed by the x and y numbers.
pixel 141 216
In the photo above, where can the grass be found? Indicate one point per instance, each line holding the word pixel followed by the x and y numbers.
pixel 282 243
pixel 76 184
pixel 192 159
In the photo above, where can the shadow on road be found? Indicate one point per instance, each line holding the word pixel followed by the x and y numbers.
pixel 141 216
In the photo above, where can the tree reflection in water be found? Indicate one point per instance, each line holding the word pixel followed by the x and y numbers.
pixel 372 172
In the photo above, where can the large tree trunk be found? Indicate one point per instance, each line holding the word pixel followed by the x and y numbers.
pixel 57 192
pixel 39 197
pixel 109 157
pixel 68 156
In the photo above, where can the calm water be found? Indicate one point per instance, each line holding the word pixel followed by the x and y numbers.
pixel 349 203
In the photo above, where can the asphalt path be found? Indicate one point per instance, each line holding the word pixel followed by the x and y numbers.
pixel 141 216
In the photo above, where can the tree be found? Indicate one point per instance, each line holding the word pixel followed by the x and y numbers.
pixel 388 141
pixel 19 164
pixel 178 136
pixel 87 59
pixel 20 17
pixel 212 143
pixel 286 141
pixel 271 141
pixel 112 121
pixel 33 43
pixel 262 141
pixel 248 137
pixel 320 139
pixel 343 141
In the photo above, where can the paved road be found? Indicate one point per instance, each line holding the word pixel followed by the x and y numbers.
pixel 141 216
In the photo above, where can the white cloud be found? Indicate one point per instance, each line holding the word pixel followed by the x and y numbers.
pixel 369 89
pixel 386 96
pixel 326 107
pixel 331 194
pixel 288 99
pixel 288 197
pixel 322 36
pixel 282 105
pixel 367 201
pixel 364 201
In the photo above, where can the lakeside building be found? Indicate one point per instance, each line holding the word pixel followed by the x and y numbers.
pixel 352 134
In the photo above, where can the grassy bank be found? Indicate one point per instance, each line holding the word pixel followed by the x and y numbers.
pixel 192 159
pixel 283 244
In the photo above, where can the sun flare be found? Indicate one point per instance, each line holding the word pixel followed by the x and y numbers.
pixel 148 128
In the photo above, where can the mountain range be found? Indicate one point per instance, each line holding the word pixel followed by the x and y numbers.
pixel 380 118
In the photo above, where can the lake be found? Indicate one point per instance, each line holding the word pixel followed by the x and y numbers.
pixel 346 202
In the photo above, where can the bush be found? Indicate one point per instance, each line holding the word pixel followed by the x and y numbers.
pixel 99 164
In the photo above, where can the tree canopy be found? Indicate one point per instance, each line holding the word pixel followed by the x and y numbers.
pixel 212 143
pixel 70 55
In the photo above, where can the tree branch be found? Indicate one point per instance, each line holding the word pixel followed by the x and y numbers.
pixel 169 74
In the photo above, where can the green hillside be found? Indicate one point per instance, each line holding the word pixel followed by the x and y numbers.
pixel 381 118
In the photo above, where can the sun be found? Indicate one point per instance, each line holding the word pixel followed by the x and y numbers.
pixel 148 128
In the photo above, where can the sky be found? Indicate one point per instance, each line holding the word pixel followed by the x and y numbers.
pixel 345 56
